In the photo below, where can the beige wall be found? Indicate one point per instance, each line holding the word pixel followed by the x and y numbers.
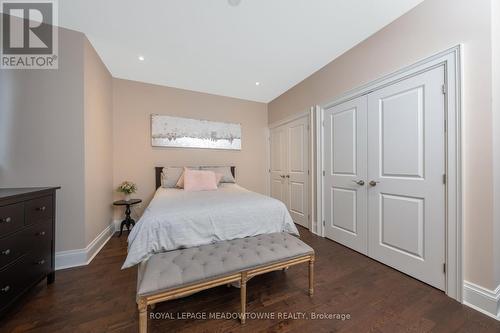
pixel 56 130
pixel 433 26
pixel 98 126
pixel 495 38
pixel 135 159
pixel 41 135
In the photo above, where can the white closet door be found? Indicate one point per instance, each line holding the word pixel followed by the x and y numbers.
pixel 297 166
pixel 345 195
pixel 278 143
pixel 406 194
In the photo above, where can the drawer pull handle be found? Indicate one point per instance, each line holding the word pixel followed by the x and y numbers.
pixel 41 233
pixel 5 289
pixel 6 252
pixel 41 209
pixel 6 220
pixel 40 262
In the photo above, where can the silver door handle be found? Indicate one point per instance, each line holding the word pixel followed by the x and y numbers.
pixel 373 183
pixel 359 182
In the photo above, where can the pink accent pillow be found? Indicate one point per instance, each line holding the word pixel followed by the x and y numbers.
pixel 180 182
pixel 199 180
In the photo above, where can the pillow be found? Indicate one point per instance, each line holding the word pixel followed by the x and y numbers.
pixel 218 177
pixel 171 175
pixel 199 180
pixel 180 182
pixel 227 176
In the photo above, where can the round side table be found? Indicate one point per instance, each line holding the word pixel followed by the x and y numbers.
pixel 128 220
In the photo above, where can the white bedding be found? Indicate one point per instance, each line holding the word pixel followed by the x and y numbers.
pixel 178 219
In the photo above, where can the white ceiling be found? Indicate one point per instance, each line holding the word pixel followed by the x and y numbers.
pixel 211 46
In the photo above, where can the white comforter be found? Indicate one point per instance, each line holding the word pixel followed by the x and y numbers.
pixel 178 219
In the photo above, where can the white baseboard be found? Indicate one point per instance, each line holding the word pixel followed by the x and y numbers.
pixel 81 257
pixel 483 300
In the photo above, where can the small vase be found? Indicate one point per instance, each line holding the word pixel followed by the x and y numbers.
pixel 127 197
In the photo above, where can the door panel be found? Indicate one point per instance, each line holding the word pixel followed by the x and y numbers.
pixel 278 160
pixel 344 142
pixel 401 125
pixel 345 163
pixel 344 214
pixel 297 170
pixel 402 224
pixel 406 157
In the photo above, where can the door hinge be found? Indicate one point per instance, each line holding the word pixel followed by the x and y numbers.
pixel 323 123
pixel 444 268
pixel 308 217
pixel 444 178
pixel 443 88
pixel 324 223
pixel 324 173
pixel 307 171
pixel 269 170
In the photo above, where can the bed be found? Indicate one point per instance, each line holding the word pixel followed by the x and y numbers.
pixel 176 219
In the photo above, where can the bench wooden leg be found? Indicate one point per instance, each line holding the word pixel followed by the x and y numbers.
pixel 311 276
pixel 143 316
pixel 243 296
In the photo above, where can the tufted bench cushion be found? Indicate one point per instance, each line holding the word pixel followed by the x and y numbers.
pixel 170 270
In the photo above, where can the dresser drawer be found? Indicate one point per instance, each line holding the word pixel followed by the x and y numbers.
pixel 11 218
pixel 39 236
pixel 27 270
pixel 39 210
pixel 40 263
pixel 13 247
pixel 32 238
pixel 13 281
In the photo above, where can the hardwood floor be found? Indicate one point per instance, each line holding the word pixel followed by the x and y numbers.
pixel 101 298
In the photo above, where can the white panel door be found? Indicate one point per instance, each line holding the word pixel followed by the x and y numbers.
pixel 406 163
pixel 297 166
pixel 278 143
pixel 345 193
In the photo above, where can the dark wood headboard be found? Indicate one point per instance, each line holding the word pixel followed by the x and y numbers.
pixel 158 171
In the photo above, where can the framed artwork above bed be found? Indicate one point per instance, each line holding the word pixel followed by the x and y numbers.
pixel 169 131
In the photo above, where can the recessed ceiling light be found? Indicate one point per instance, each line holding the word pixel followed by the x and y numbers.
pixel 234 3
pixel 257 83
pixel 141 58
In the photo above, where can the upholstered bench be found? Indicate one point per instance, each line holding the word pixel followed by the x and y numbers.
pixel 178 273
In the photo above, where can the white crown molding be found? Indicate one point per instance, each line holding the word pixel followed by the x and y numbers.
pixel 81 257
pixel 482 299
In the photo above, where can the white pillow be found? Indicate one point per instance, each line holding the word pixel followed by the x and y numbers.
pixel 227 176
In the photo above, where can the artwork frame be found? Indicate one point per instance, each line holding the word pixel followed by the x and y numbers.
pixel 181 132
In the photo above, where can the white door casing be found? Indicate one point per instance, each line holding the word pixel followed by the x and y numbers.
pixel 452 61
pixel 345 174
pixel 406 165
pixel 384 163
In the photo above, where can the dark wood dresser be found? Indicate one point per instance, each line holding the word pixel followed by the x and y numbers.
pixel 27 236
